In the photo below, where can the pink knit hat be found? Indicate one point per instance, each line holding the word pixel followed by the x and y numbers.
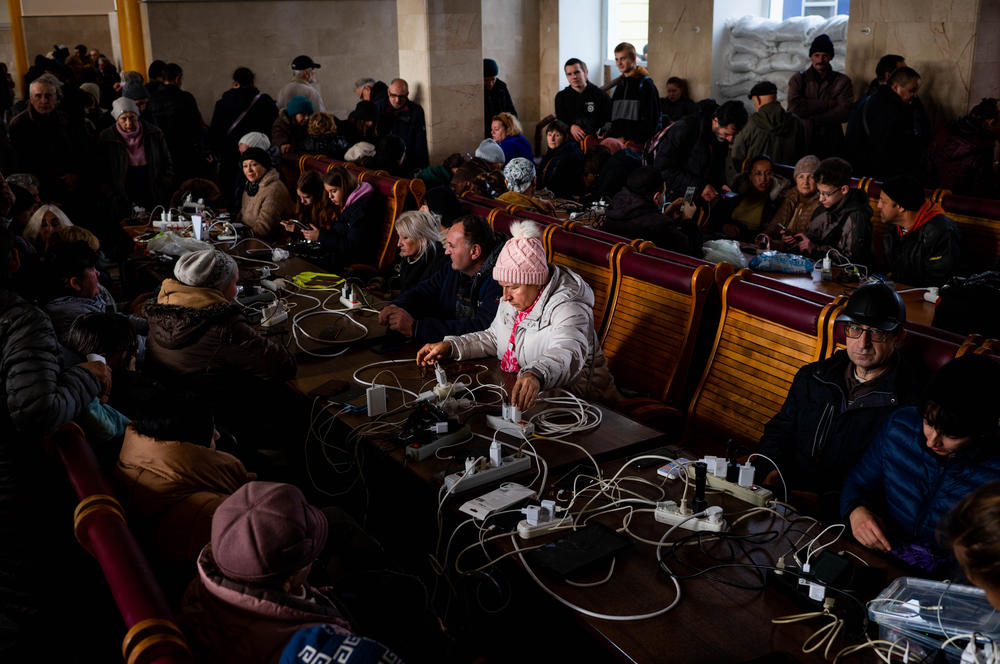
pixel 522 259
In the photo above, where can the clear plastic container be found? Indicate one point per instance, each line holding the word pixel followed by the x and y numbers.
pixel 926 613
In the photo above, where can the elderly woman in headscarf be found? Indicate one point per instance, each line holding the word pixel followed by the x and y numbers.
pixel 137 166
pixel 543 330
pixel 265 198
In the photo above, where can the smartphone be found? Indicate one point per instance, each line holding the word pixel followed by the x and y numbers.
pixel 299 224
pixel 689 195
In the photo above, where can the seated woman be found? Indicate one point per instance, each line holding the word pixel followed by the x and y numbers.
pixel 543 330
pixel 561 170
pixel 420 251
pixel 312 206
pixel 758 190
pixel 923 462
pixel 506 131
pixel 357 220
pixel 678 103
pixel 973 530
pixel 322 137
pixel 797 204
pixel 519 176
pixel 170 476
pixel 42 223
pixel 137 166
pixel 265 198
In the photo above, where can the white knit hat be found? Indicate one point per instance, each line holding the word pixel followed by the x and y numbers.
pixel 489 150
pixel 256 139
pixel 123 105
pixel 522 259
pixel 208 268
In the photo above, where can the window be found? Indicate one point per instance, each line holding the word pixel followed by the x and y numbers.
pixel 823 8
pixel 626 21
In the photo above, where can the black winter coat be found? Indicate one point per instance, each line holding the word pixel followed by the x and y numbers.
pixel 496 100
pixel 927 256
pixel 49 146
pixel 115 167
pixel 635 108
pixel 354 236
pixel 175 111
pixel 633 216
pixel 817 437
pixel 259 117
pixel 561 170
pixel 689 156
pixel 408 124
pixel 888 137
pixel 590 109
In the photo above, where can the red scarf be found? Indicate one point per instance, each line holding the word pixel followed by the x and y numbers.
pixel 926 212
pixel 508 363
pixel 134 146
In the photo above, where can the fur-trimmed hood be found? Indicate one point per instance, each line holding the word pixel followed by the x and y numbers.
pixel 182 313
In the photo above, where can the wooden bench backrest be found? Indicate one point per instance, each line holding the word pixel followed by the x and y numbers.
pixel 764 338
pixel 653 324
pixel 593 260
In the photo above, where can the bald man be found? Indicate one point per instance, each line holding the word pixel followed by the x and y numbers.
pixel 400 116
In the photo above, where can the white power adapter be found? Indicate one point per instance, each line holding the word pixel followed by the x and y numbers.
pixel 377 400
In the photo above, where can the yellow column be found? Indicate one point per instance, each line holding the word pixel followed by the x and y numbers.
pixel 130 33
pixel 20 47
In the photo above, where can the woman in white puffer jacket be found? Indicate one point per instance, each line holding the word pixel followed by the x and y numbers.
pixel 543 330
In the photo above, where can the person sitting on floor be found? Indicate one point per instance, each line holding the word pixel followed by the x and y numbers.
pixel 519 176
pixel 251 595
pixel 461 297
pixel 635 213
pixel 797 205
pixel 561 170
pixel 265 198
pixel 543 331
pixel 506 131
pixel 170 476
pixel 973 531
pixel 924 247
pixel 925 460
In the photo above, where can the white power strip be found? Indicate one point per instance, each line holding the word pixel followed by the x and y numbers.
pixel 513 428
pixel 509 465
pixel 527 531
pixel 753 494
pixel 274 314
pixel 421 452
pixel 669 512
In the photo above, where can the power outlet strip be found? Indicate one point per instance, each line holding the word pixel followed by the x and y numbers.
pixel 274 314
pixel 753 494
pixel 513 428
pixel 526 531
pixel 350 302
pixel 420 452
pixel 669 512
pixel 509 465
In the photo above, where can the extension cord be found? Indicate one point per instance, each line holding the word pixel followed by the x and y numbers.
pixel 513 428
pixel 417 452
pixel 274 314
pixel 526 531
pixel 753 494
pixel 668 512
pixel 350 303
pixel 509 465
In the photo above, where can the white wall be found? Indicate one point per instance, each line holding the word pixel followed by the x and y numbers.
pixel 64 8
pixel 580 37
pixel 726 9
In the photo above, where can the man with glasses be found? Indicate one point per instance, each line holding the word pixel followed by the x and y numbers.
pixel 837 405
pixel 843 220
pixel 404 118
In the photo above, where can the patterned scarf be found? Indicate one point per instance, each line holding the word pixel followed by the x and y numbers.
pixel 508 363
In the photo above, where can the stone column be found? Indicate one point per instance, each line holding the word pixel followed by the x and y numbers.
pixel 440 56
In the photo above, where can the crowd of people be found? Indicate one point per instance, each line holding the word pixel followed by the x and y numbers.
pixel 161 390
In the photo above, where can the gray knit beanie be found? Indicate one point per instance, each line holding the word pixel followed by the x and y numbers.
pixel 208 268
pixel 489 150
pixel 808 164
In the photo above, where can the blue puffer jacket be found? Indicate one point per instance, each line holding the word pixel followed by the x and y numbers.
pixel 901 479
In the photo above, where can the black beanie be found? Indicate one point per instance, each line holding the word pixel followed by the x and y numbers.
pixel 490 67
pixel 258 155
pixel 905 191
pixel 822 44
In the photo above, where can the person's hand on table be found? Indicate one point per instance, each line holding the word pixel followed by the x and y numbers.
pixel 525 391
pixel 805 244
pixel 312 234
pixel 103 374
pixel 383 316
pixel 397 319
pixel 431 353
pixel 867 529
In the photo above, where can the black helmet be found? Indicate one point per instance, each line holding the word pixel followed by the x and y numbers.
pixel 875 305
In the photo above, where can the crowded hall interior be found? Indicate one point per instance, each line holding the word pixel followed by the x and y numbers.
pixel 492 331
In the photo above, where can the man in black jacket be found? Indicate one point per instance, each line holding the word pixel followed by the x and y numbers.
pixel 404 118
pixel 37 396
pixel 693 151
pixel 496 96
pixel 583 106
pixel 924 246
pixel 635 213
pixel 175 111
pixel 836 406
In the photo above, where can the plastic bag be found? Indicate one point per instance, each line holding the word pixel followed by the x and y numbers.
pixel 777 261
pixel 724 251
pixel 169 242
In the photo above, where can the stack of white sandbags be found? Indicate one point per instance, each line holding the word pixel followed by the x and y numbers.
pixel 759 49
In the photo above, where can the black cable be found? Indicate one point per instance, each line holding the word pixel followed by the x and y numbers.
pixel 754 538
